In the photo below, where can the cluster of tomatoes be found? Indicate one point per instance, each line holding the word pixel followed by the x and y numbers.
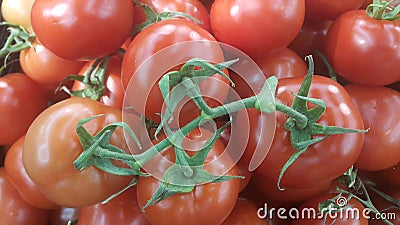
pixel 68 61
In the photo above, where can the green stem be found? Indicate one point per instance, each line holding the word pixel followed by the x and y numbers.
pixel 300 119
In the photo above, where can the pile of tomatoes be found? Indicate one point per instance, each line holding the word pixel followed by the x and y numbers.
pixel 68 61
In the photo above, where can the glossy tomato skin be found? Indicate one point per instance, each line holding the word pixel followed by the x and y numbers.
pixel 80 29
pixel 144 85
pixel 46 68
pixel 63 215
pixel 52 145
pixel 123 209
pixel 319 10
pixel 381 143
pixel 114 94
pixel 363 50
pixel 216 200
pixel 14 210
pixel 315 166
pixel 257 27
pixel 23 184
pixel 192 8
pixel 21 101
pixel 351 205
pixel 245 212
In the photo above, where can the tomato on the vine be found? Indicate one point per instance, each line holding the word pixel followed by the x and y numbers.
pixel 52 145
pixel 17 175
pixel 363 49
pixel 21 100
pixel 216 200
pixel 380 149
pixel 82 29
pixel 257 27
pixel 319 10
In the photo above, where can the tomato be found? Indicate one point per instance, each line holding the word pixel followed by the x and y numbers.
pixel 80 29
pixel 347 215
pixel 63 215
pixel 114 93
pixel 311 38
pixel 14 210
pixel 17 12
pixel 20 102
pixel 123 209
pixel 51 146
pixel 315 166
pixel 46 68
pixel 216 200
pixel 359 47
pixel 257 27
pixel 368 2
pixel 329 10
pixel 22 182
pixel 381 143
pixel 192 8
pixel 391 175
pixel 245 212
pixel 269 189
pixel 143 92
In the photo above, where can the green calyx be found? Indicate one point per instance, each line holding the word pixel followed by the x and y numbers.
pixel 18 39
pixel 302 122
pixel 153 17
pixel 382 10
pixel 93 80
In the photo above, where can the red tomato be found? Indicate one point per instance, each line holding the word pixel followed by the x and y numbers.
pixel 216 200
pixel 144 90
pixel 328 10
pixel 314 167
pixel 192 8
pixel 351 206
pixel 257 27
pixel 20 102
pixel 80 29
pixel 63 215
pixel 44 67
pixel 14 210
pixel 269 189
pixel 22 182
pixel 391 175
pixel 114 94
pixel 381 143
pixel 123 209
pixel 244 213
pixel 51 146
pixel 363 49
pixel 310 38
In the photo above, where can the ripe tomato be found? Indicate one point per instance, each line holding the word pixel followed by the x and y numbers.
pixel 46 68
pixel 114 93
pixel 320 10
pixel 269 189
pixel 22 182
pixel 192 8
pixel 315 166
pixel 80 29
pixel 381 143
pixel 63 215
pixel 17 12
pixel 345 217
pixel 20 102
pixel 257 27
pixel 123 209
pixel 51 146
pixel 144 90
pixel 14 210
pixel 216 200
pixel 359 47
pixel 245 212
